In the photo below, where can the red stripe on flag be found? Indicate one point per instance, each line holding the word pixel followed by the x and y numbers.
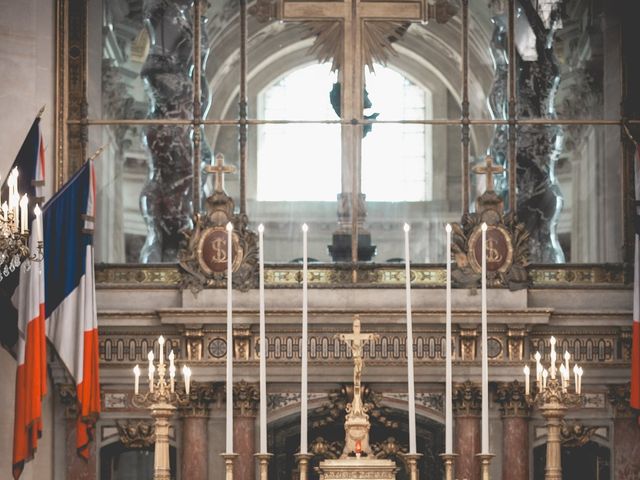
pixel 635 367
pixel 31 387
pixel 88 394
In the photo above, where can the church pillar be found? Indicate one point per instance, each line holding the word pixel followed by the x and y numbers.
pixel 466 409
pixel 515 430
pixel 626 435
pixel 195 416
pixel 76 466
pixel 245 398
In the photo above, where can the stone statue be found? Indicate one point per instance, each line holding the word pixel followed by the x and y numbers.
pixel 166 199
pixel 357 421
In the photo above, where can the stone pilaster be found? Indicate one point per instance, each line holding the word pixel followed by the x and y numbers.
pixel 515 430
pixel 246 397
pixel 467 409
pixel 195 416
pixel 76 466
pixel 626 434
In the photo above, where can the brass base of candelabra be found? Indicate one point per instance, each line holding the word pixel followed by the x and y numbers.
pixel 162 413
pixel 229 458
pixel 485 463
pixel 448 460
pixel 412 460
pixel 303 464
pixel 263 463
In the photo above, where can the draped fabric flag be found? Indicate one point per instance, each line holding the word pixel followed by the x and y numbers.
pixel 70 303
pixel 635 347
pixel 31 375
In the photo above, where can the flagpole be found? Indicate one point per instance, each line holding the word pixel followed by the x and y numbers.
pixel 41 111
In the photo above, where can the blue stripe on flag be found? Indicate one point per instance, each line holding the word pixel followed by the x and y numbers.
pixel 65 244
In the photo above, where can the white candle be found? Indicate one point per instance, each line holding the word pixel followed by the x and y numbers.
pixel 152 370
pixel 567 357
pixel 537 356
pixel 553 356
pixel 448 388
pixel 16 206
pixel 545 374
pixel 563 380
pixel 575 376
pixel 136 373
pixel 485 357
pixel 409 344
pixel 229 436
pixel 5 211
pixel 580 372
pixel 161 349
pixel 263 348
pixel 186 373
pixel 526 379
pixel 37 221
pixel 303 345
pixel 172 371
pixel 24 214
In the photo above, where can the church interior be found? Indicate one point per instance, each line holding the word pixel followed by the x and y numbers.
pixel 218 128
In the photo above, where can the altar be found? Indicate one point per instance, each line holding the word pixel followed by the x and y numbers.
pixel 354 468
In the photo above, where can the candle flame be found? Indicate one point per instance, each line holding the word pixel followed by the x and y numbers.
pixel 448 228
pixel 407 227
pixel 37 211
pixel 484 227
pixel 261 228
pixel 229 227
pixel 305 227
pixel 526 370
pixel 136 371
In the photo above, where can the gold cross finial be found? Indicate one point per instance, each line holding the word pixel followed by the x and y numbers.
pixel 219 169
pixel 488 169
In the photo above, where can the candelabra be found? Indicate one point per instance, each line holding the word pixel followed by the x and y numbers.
pixel 551 395
pixel 14 229
pixel 161 400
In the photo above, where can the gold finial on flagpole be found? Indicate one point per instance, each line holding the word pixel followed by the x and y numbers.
pixel 41 112
pixel 96 153
pixel 628 132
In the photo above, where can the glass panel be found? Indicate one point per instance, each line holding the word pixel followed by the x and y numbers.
pixel 568 78
pixel 577 219
pixel 294 178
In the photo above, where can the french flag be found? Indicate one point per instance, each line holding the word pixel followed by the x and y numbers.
pixel 31 374
pixel 70 303
pixel 635 346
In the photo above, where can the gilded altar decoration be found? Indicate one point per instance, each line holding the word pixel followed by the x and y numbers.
pixel 507 240
pixel 204 261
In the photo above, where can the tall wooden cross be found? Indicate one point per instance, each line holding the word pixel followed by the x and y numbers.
pixel 488 169
pixel 353 15
pixel 219 169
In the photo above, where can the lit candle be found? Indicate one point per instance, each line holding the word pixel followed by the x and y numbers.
pixel 152 370
pixel 448 389
pixel 537 356
pixel 136 373
pixel 5 211
pixel 229 436
pixel 485 357
pixel 38 222
pixel 580 372
pixel 567 357
pixel 161 349
pixel 16 206
pixel 24 214
pixel 303 344
pixel 263 347
pixel 575 376
pixel 172 371
pixel 409 344
pixel 563 380
pixel 553 356
pixel 526 379
pixel 545 374
pixel 186 373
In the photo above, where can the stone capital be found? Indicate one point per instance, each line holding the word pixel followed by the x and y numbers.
pixel 467 399
pixel 619 397
pixel 196 404
pixel 69 398
pixel 512 400
pixel 246 398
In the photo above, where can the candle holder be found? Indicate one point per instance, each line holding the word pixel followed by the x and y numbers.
pixel 303 464
pixel 485 464
pixel 263 464
pixel 551 395
pixel 162 400
pixel 448 459
pixel 412 461
pixel 229 459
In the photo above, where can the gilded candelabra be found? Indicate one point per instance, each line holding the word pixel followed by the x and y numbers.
pixel 553 398
pixel 162 400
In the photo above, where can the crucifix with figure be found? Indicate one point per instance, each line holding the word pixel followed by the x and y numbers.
pixel 354 17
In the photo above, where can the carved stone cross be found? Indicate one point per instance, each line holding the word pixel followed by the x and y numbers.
pixel 488 169
pixel 219 169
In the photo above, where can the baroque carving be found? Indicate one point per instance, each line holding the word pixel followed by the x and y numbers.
pixel 204 260
pixel 323 449
pixel 201 395
pixel 136 433
pixel 576 434
pixel 246 397
pixel 467 399
pixel 512 400
pixel 507 241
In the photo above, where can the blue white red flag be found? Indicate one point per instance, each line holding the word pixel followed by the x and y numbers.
pixel 635 346
pixel 70 302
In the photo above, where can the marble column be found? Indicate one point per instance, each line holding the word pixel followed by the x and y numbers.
pixel 245 398
pixel 195 416
pixel 626 435
pixel 515 430
pixel 76 467
pixel 466 411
